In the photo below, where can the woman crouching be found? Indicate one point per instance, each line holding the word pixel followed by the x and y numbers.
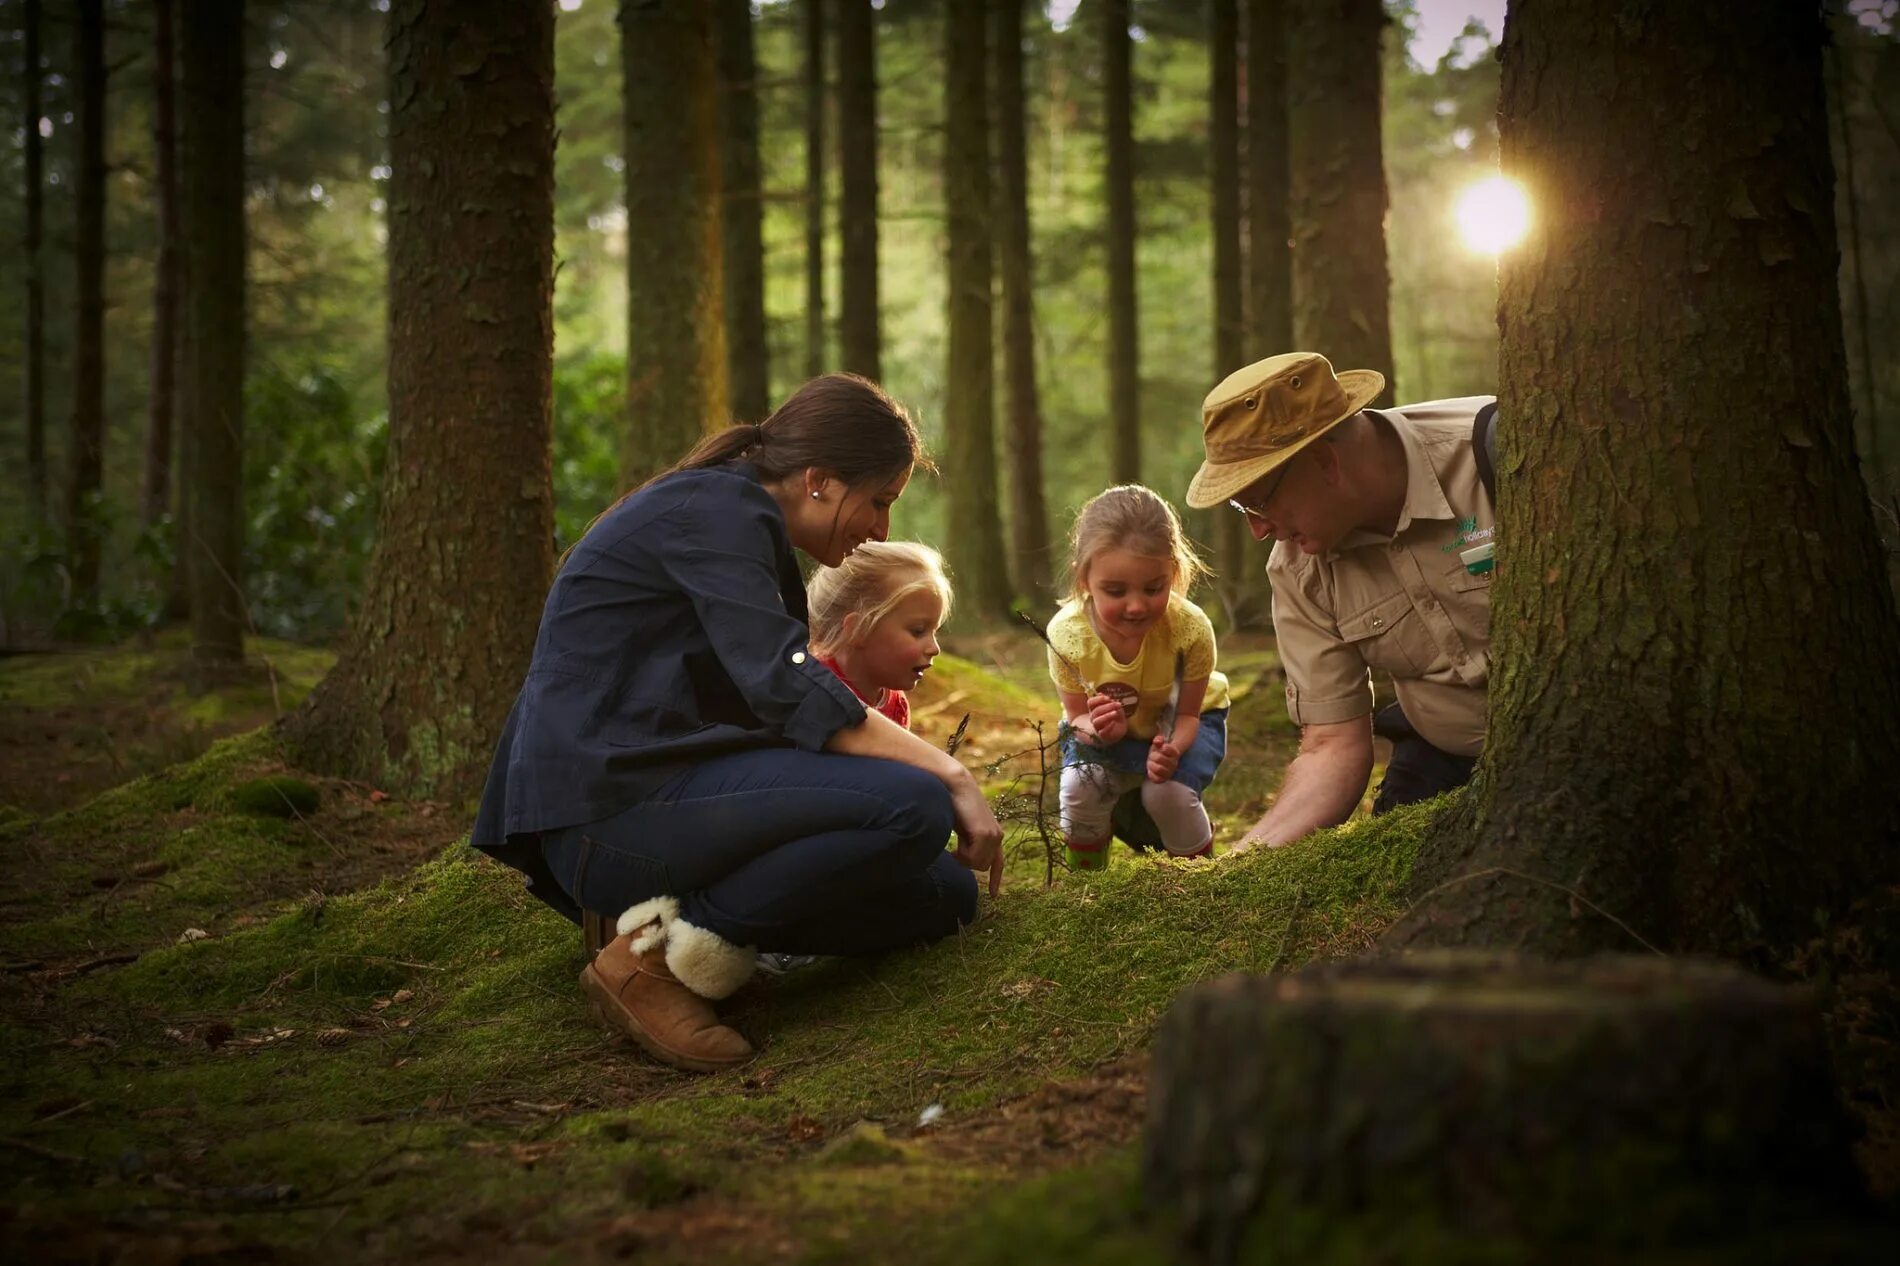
pixel 681 762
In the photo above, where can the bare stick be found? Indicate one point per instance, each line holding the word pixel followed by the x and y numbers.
pixel 1039 631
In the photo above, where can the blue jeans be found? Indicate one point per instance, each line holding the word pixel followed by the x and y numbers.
pixel 784 850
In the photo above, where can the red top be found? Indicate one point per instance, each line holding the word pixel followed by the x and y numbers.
pixel 895 704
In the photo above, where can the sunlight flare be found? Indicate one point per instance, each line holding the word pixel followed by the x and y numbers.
pixel 1493 215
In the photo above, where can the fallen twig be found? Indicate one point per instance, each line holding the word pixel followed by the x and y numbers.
pixel 44 1153
pixel 104 960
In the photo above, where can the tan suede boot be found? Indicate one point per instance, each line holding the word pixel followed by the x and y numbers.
pixel 636 993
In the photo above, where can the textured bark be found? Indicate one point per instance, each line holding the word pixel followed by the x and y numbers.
pixel 464 546
pixel 975 529
pixel 35 199
pixel 1341 289
pixel 814 188
pixel 676 333
pixel 859 340
pixel 1696 684
pixel 1868 418
pixel 1269 256
pixel 211 66
pixel 85 455
pixel 158 430
pixel 1124 348
pixel 1223 169
pixel 1621 1104
pixel 1028 517
pixel 748 359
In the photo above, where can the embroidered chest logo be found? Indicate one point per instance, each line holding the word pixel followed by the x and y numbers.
pixel 1474 546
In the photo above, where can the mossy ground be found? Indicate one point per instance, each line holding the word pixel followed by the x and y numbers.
pixel 75 723
pixel 370 1053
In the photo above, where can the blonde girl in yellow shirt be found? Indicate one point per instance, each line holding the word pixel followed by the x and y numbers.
pixel 1113 648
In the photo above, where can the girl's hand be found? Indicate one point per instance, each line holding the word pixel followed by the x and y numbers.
pixel 1106 715
pixel 1163 759
pixel 979 834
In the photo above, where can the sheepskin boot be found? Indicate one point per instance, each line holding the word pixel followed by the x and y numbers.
pixel 656 980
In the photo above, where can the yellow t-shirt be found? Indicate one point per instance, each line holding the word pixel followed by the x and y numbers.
pixel 1141 686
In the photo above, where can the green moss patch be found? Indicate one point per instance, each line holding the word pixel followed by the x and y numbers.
pixel 276 796
pixel 184 849
pixel 76 723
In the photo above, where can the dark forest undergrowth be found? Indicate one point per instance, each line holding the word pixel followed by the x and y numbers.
pixel 249 1013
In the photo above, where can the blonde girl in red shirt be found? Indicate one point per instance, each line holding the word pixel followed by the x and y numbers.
pixel 874 620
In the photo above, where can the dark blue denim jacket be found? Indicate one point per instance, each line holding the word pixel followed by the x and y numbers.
pixel 675 631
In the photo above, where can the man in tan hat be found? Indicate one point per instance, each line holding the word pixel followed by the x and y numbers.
pixel 1382 528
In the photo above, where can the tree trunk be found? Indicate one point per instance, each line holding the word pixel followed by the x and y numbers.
pixel 464 548
pixel 85 456
pixel 1029 520
pixel 858 337
pixel 158 432
pixel 1124 351
pixel 676 336
pixel 814 188
pixel 1340 284
pixel 1403 1111
pixel 1269 259
pixel 748 359
pixel 975 529
pixel 35 198
pixel 1696 701
pixel 211 60
pixel 1223 133
pixel 1868 419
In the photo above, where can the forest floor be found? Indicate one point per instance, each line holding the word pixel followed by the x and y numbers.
pixel 251 1014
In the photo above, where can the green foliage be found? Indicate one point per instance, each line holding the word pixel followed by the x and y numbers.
pixel 313 474
pixel 590 394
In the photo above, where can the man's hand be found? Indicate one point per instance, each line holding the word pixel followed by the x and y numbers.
pixel 1163 759
pixel 1323 784
pixel 1107 719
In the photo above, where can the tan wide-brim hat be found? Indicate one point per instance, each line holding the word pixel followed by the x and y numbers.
pixel 1262 415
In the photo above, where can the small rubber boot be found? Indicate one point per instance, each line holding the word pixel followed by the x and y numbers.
pixel 636 993
pixel 1088 854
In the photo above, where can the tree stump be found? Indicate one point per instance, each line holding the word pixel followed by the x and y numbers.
pixel 1616 1102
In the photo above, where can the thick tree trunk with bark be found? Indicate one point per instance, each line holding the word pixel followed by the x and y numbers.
pixel 1695 697
pixel 1269 257
pixel 1223 169
pixel 1341 288
pixel 748 359
pixel 35 199
pixel 211 59
pixel 975 529
pixel 464 547
pixel 676 331
pixel 1404 1111
pixel 85 454
pixel 859 340
pixel 1029 518
pixel 158 431
pixel 814 188
pixel 1124 345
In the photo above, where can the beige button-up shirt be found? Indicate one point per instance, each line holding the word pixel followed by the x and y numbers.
pixel 1406 603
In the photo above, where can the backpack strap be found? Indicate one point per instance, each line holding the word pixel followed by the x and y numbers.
pixel 1484 447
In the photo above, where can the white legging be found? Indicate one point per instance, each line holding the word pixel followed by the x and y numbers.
pixel 1089 793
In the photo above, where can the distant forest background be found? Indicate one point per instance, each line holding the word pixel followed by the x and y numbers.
pixel 315 401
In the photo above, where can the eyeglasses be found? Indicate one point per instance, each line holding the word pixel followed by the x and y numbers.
pixel 1258 509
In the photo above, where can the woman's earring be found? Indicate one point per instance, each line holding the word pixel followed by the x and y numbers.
pixel 814 494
